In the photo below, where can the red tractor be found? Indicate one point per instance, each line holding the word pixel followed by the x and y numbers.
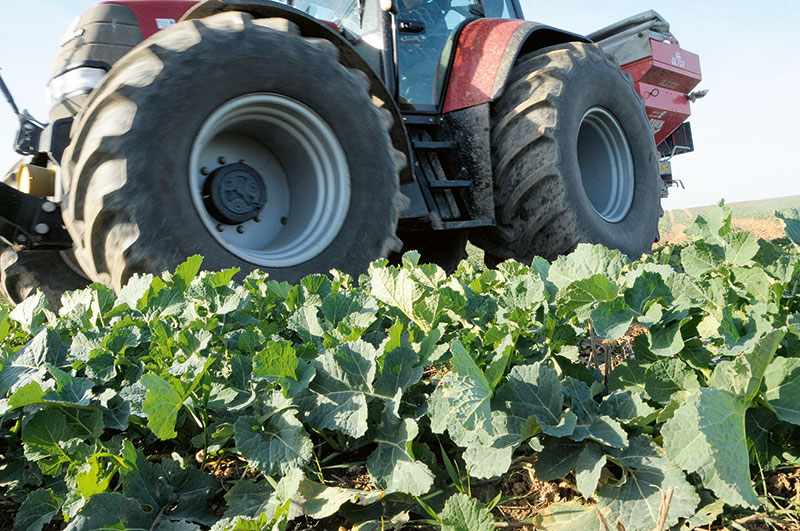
pixel 324 134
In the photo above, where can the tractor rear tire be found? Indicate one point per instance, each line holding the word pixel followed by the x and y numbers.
pixel 573 157
pixel 198 98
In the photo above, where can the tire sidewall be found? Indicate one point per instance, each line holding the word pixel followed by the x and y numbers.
pixel 599 84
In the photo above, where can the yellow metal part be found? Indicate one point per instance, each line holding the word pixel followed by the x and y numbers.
pixel 36 180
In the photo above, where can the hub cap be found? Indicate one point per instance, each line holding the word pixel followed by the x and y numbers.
pixel 269 180
pixel 606 164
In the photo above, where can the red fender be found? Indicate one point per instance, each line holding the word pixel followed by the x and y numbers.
pixel 152 13
pixel 487 50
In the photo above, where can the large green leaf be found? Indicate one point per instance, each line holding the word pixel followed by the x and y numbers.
pixel 782 381
pixel 391 465
pixel 535 390
pixel 112 510
pixel 277 444
pixel 637 499
pixel 37 510
pixel 337 396
pixel 462 513
pixel 706 435
pixel 584 262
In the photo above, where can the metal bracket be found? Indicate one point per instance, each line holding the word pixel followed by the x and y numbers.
pixel 29 222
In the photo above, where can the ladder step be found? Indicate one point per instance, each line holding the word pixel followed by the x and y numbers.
pixel 450 184
pixel 432 146
pixel 468 224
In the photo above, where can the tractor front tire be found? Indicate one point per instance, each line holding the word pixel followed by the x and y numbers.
pixel 573 157
pixel 237 139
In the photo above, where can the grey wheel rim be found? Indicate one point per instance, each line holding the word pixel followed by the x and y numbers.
pixel 606 164
pixel 303 168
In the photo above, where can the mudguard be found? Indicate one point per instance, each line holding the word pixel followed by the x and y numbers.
pixel 487 49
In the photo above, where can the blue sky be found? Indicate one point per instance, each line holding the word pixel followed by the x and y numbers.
pixel 743 130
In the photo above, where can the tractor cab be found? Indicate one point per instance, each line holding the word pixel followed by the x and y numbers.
pixel 422 32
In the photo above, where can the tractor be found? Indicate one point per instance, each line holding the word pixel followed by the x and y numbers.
pixel 323 134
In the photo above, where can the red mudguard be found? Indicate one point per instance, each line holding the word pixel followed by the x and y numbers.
pixel 485 53
pixel 154 15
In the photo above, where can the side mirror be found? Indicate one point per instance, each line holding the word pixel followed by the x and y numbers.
pixel 390 6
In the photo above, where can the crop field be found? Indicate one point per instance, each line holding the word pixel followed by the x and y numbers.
pixel 591 393
pixel 757 217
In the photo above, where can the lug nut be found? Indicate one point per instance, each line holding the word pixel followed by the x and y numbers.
pixel 284 220
pixel 220 228
pixel 41 228
pixel 240 229
pixel 48 207
pixel 222 160
pixel 257 219
pixel 204 170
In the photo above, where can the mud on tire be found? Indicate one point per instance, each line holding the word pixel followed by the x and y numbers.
pixel 557 184
pixel 130 206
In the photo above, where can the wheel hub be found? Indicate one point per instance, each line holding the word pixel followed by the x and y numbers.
pixel 234 193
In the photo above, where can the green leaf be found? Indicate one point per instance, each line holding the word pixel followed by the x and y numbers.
pixel 628 407
pixel 743 375
pixel 391 465
pixel 666 376
pixel 277 445
pixel 585 261
pixel 600 428
pixel 782 381
pixel 33 314
pixel 278 359
pixel 186 272
pixel 320 501
pixel 557 459
pixel 29 364
pixel 792 222
pixel 611 319
pixel 461 405
pixel 248 499
pixel 535 390
pixel 337 396
pixel 568 516
pixel 167 487
pixel 162 404
pixel 700 258
pixel 464 365
pixel 54 432
pixel 590 463
pixel 712 225
pixel 462 513
pixel 706 435
pixel 111 510
pixel 398 289
pixel 584 292
pixel 400 371
pixel 37 510
pixel 740 248
pixel 636 500
pixel 666 340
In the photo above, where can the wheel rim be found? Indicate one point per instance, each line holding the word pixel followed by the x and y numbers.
pixel 606 164
pixel 301 165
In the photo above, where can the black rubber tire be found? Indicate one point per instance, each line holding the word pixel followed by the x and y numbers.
pixel 541 205
pixel 445 248
pixel 21 273
pixel 128 206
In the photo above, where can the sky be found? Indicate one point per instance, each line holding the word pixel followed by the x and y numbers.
pixel 743 130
